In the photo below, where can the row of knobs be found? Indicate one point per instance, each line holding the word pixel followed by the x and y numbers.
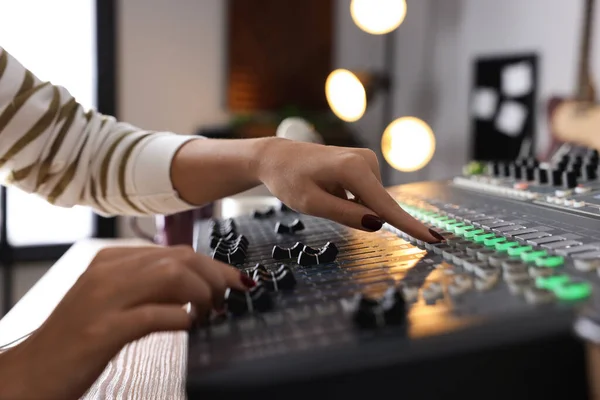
pixel 566 173
pixel 270 211
pixel 227 245
pixel 259 298
pixel 306 255
pixel 389 310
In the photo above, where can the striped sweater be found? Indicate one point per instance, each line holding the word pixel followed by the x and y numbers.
pixel 51 146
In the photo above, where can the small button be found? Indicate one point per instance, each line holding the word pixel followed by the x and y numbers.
pixel 561 244
pixel 573 291
pixel 550 261
pixel 545 240
pixel 536 272
pixel 498 258
pixel 441 247
pixel 514 270
pixel 531 256
pixel 520 285
pixel 535 235
pixel 472 233
pixel 511 228
pixel 586 248
pixel 486 283
pixel 484 270
pixel 484 254
pixel 535 295
pixel 481 238
pixel 473 249
pixel 292 227
pixel 492 242
pixel 551 282
pixel 516 251
pixel 504 246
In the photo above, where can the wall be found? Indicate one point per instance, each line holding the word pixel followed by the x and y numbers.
pixel 172 59
pixel 171 66
pixel 440 38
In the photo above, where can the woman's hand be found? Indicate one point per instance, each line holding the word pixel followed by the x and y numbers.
pixel 314 179
pixel 310 178
pixel 125 294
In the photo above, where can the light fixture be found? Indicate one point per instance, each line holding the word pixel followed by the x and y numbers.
pixel 348 92
pixel 408 144
pixel 378 17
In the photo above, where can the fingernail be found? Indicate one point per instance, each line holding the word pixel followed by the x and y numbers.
pixel 247 281
pixel 372 222
pixel 436 235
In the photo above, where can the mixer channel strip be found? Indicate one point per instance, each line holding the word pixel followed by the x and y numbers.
pixel 531 259
pixel 323 285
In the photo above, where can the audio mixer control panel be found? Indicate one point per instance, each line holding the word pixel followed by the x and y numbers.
pixel 515 260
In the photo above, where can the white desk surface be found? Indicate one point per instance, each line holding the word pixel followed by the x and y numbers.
pixel 151 368
pixel 39 302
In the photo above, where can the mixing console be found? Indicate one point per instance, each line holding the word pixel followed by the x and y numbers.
pixel 346 311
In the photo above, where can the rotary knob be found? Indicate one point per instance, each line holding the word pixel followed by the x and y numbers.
pixel 283 253
pixel 257 214
pixel 293 227
pixel 256 299
pixel 326 254
pixel 389 310
pixel 275 281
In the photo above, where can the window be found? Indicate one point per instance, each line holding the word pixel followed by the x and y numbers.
pixel 56 40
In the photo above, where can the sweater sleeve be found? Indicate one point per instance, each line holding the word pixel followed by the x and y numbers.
pixel 52 147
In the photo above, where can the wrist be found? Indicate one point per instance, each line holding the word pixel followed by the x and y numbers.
pixel 260 156
pixel 12 375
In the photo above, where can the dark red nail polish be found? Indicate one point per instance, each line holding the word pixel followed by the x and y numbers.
pixel 436 235
pixel 371 222
pixel 247 281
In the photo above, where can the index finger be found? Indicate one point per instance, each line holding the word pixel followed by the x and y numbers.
pixel 375 197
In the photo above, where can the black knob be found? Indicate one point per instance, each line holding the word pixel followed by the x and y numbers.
pixel 257 214
pixel 527 173
pixel 234 256
pixel 503 169
pixel 215 239
pixel 278 281
pixel 236 301
pixel 223 230
pixel 514 170
pixel 569 179
pixel 228 247
pixel 256 299
pixel 258 268
pixel 283 253
pixel 327 254
pixel 532 162
pixel 540 176
pixel 261 299
pixel 311 250
pixel 368 314
pixel 588 173
pixel 394 307
pixel 295 226
pixel 555 178
pixel 390 310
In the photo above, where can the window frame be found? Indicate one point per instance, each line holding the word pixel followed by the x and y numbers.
pixel 106 99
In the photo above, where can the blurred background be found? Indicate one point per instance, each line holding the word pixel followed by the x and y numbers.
pixel 448 81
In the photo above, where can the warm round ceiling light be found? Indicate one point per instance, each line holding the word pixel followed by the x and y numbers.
pixel 408 144
pixel 346 95
pixel 378 17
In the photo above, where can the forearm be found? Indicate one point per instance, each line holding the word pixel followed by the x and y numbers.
pixel 206 170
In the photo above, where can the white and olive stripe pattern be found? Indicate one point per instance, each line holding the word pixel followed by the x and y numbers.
pixel 51 146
